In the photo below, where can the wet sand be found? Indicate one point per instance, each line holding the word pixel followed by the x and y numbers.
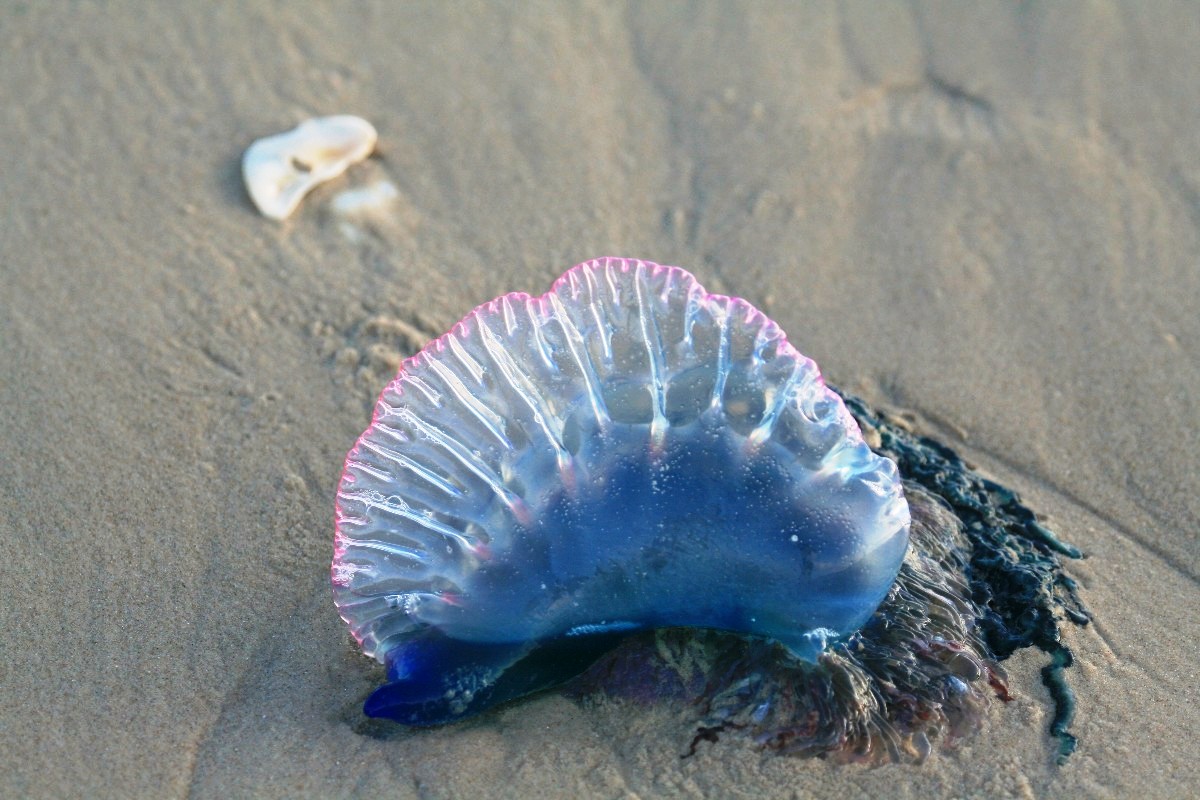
pixel 988 218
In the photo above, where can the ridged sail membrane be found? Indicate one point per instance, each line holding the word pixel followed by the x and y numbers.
pixel 623 452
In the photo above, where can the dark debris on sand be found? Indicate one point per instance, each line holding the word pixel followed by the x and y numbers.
pixel 1015 573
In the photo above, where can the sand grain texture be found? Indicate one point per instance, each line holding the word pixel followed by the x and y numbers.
pixel 988 216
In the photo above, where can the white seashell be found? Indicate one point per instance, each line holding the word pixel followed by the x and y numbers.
pixel 279 170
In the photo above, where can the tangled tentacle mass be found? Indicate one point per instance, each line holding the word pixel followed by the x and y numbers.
pixel 982 579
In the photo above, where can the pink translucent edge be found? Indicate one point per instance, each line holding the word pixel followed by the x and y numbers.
pixel 750 314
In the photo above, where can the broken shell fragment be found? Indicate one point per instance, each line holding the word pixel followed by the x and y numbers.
pixel 365 201
pixel 279 170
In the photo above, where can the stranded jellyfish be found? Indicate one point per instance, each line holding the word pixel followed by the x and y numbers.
pixel 644 489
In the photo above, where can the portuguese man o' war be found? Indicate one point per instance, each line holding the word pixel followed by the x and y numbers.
pixel 578 485
pixel 626 452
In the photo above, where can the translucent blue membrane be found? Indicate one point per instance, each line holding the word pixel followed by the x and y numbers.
pixel 623 453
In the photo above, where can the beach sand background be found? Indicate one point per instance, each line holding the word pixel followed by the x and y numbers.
pixel 986 216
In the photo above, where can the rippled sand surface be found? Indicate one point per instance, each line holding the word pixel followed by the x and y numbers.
pixel 986 218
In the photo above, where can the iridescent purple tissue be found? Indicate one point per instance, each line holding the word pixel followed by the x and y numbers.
pixel 625 452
